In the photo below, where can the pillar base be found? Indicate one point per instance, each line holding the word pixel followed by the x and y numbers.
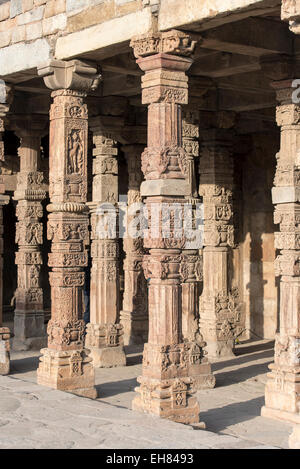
pixel 219 349
pixel 108 357
pixel 4 351
pixel 170 399
pixel 32 343
pixel 204 379
pixel 294 440
pixel 282 394
pixel 29 331
pixel 282 415
pixel 135 328
pixel 70 371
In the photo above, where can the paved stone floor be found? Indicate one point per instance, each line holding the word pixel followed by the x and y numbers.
pixel 33 416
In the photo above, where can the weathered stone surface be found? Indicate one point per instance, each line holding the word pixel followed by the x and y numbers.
pixel 23 56
pixel 112 32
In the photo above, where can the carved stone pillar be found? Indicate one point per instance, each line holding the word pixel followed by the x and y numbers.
pixel 219 302
pixel 192 266
pixel 4 199
pixel 29 329
pixel 104 332
pixel 66 364
pixel 191 286
pixel 169 364
pixel 134 315
pixel 282 391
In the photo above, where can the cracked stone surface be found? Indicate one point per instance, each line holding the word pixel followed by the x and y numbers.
pixel 33 416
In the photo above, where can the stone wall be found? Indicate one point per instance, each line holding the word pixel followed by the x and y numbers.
pixel 29 20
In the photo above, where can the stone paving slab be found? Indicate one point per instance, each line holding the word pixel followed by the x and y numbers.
pixel 35 417
pixel 32 416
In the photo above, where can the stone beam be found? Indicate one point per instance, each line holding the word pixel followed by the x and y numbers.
pixel 122 64
pixel 207 14
pixel 23 56
pixel 123 85
pixel 105 37
pixel 246 82
pixel 243 101
pixel 224 64
pixel 253 36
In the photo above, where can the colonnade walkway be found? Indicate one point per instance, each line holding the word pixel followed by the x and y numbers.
pixel 33 416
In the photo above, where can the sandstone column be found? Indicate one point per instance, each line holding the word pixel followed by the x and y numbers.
pixel 283 385
pixel 29 329
pixel 4 331
pixel 219 302
pixel 104 332
pixel 193 274
pixel 168 362
pixel 134 315
pixel 192 265
pixel 65 364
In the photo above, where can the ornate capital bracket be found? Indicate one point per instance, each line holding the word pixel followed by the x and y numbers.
pixel 110 126
pixel 74 75
pixel 168 42
pixel 29 125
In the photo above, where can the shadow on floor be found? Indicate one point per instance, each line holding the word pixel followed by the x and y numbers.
pixel 134 354
pixel 24 365
pixel 114 388
pixel 223 417
pixel 254 347
pixel 242 359
pixel 241 374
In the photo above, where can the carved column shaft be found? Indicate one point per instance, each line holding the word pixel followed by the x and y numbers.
pixel 134 315
pixel 282 388
pixel 29 329
pixel 104 333
pixel 219 307
pixel 168 363
pixel 65 364
pixel 5 334
pixel 191 286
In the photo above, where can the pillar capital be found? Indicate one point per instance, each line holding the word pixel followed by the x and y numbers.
pixel 167 42
pixel 107 125
pixel 29 125
pixel 73 75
